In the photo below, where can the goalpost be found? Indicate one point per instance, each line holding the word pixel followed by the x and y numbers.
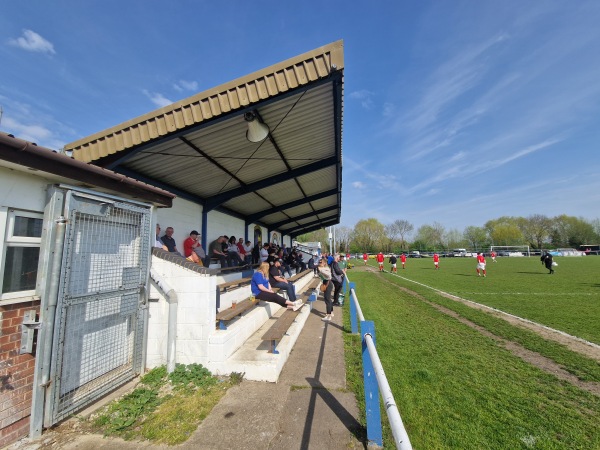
pixel 511 250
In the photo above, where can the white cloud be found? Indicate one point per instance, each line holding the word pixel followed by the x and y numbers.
pixel 36 133
pixel 183 85
pixel 359 185
pixel 365 97
pixel 33 42
pixel 157 98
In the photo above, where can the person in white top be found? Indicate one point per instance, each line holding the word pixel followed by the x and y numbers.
pixel 264 252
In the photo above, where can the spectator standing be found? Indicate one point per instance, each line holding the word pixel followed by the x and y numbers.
pixel 337 278
pixel 262 290
pixel 480 264
pixel 380 260
pixel 325 274
pixel 169 242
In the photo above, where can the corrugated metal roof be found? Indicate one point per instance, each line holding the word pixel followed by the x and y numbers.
pixel 197 147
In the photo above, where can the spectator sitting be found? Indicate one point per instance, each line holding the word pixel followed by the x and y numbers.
pixel 215 250
pixel 241 249
pixel 300 262
pixel 158 243
pixel 249 250
pixel 284 266
pixel 262 290
pixel 192 248
pixel 264 253
pixel 255 254
pixel 276 278
pixel 313 266
pixel 233 253
pixel 169 242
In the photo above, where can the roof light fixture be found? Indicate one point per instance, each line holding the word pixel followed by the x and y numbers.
pixel 257 131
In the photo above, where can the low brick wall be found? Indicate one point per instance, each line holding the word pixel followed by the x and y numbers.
pixel 16 374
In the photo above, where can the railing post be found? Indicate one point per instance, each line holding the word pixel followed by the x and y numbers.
pixel 373 412
pixel 353 313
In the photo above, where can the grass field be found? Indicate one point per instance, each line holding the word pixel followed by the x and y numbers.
pixel 457 388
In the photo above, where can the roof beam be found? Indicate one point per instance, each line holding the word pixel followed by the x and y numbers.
pixel 316 227
pixel 314 222
pixel 276 225
pixel 217 200
pixel 254 217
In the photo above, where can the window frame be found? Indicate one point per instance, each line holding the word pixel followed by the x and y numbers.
pixel 10 240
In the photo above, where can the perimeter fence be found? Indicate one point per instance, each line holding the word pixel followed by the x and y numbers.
pixel 375 381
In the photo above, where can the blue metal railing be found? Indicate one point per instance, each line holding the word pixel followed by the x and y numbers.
pixel 375 380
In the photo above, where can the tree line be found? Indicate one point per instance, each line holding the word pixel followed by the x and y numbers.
pixel 538 231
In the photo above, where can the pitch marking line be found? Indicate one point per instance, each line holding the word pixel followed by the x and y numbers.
pixel 499 311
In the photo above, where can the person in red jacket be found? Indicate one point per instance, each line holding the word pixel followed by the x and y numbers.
pixel 436 261
pixel 380 259
pixel 480 264
pixel 403 260
pixel 365 258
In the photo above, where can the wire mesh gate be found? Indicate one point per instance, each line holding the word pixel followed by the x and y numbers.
pixel 99 321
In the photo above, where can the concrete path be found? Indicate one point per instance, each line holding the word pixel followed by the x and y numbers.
pixel 309 408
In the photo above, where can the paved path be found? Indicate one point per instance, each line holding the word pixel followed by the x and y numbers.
pixel 308 408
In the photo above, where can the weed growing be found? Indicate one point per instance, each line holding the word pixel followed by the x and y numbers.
pixel 164 408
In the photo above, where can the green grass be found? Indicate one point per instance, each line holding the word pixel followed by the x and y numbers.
pixel 457 389
pixel 568 301
pixel 163 408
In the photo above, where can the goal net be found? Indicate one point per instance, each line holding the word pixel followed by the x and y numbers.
pixel 510 250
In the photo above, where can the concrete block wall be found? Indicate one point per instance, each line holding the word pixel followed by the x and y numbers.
pixel 16 373
pixel 196 311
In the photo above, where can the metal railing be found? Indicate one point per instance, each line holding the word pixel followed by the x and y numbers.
pixel 375 381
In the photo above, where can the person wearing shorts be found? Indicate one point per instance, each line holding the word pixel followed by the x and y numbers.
pixel 403 260
pixel 480 264
pixel 365 258
pixel 436 261
pixel 393 261
pixel 380 259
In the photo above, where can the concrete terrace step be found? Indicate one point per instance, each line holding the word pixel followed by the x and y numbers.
pixel 253 357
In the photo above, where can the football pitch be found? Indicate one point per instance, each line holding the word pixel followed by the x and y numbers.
pixel 568 300
pixel 466 378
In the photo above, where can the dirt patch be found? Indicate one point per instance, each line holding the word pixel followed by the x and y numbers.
pixel 537 360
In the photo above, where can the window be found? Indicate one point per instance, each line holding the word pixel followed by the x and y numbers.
pixel 21 253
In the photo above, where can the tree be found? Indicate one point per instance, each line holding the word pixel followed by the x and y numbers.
pixel 402 229
pixel 452 238
pixel 536 229
pixel 316 236
pixel 342 238
pixel 368 236
pixel 505 231
pixel 477 237
pixel 431 235
pixel 569 231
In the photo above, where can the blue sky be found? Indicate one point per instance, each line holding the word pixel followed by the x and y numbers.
pixel 454 111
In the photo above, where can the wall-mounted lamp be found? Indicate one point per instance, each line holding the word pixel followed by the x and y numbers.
pixel 257 131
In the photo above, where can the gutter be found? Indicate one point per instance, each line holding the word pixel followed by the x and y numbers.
pixel 27 154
